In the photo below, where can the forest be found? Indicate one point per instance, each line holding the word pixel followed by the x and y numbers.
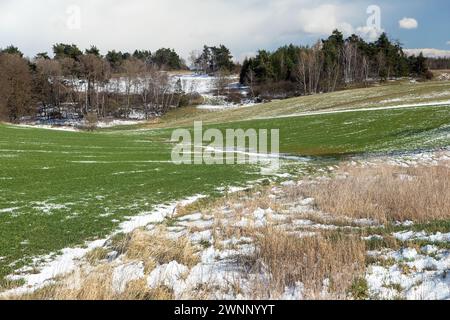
pixel 331 64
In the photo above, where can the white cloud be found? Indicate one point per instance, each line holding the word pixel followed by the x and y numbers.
pixel 370 33
pixel 448 42
pixel 323 20
pixel 408 23
pixel 429 52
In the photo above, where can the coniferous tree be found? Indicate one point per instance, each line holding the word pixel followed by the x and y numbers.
pixel 94 51
pixel 62 50
pixel 12 50
pixel 42 55
pixel 115 59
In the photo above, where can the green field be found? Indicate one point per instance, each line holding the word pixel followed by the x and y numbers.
pixel 60 189
pixel 387 95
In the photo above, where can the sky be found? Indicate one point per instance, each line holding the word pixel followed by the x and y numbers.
pixel 244 26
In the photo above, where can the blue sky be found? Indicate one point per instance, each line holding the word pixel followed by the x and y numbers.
pixel 243 25
pixel 433 17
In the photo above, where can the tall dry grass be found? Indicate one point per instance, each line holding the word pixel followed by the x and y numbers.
pixel 336 258
pixel 384 193
pixel 155 248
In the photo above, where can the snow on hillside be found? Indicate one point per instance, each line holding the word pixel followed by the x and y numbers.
pixel 191 83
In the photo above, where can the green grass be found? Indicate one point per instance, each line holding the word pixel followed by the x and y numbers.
pixel 387 95
pixel 358 132
pixel 359 289
pixel 57 202
pixel 64 188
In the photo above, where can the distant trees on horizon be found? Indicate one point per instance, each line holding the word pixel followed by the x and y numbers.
pixel 329 65
pixel 81 81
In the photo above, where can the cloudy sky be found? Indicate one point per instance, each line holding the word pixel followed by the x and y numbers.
pixel 243 25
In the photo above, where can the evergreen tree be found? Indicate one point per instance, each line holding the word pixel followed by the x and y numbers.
pixel 115 59
pixel 143 55
pixel 222 58
pixel 332 49
pixel 418 65
pixel 214 59
pixel 42 55
pixel 168 58
pixel 62 50
pixel 94 51
pixel 12 50
pixel 334 63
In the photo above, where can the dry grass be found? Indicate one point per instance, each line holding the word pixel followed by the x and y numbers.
pixel 384 193
pixel 156 248
pixel 94 286
pixel 311 260
pixel 97 285
pixel 94 281
pixel 97 255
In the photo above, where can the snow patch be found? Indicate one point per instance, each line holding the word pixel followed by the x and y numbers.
pixel 56 266
pixel 124 274
pixel 170 275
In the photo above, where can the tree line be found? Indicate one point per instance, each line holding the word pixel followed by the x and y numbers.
pixel 439 63
pixel 331 64
pixel 74 83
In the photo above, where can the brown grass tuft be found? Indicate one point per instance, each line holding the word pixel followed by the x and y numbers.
pixel 157 248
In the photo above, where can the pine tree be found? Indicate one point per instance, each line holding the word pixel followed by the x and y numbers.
pixel 62 50
pixel 94 51
pixel 12 50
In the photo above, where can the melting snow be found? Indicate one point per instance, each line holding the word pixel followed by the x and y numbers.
pixel 124 274
pixel 425 278
pixel 60 265
pixel 170 275
pixel 156 216
pixel 411 235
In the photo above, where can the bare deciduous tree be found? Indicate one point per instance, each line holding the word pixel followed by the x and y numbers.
pixel 309 68
pixel 132 69
pixel 15 89
pixel 95 71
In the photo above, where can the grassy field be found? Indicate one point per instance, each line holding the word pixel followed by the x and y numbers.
pixel 358 132
pixel 392 94
pixel 60 189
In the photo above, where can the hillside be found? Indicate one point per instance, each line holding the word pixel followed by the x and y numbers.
pixel 388 95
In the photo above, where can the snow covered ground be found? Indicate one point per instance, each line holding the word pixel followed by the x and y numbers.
pixel 74 125
pixel 206 86
pixel 226 106
pixel 54 266
pixel 411 274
